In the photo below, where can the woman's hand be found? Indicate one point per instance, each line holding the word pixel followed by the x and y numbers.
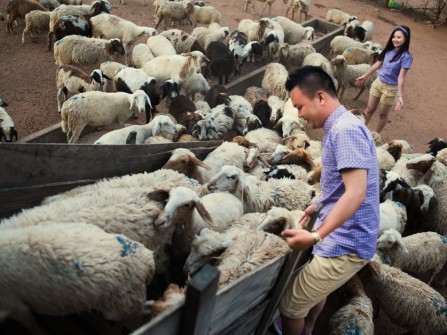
pixel 360 81
pixel 399 104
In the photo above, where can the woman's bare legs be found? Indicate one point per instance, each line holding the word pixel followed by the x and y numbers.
pixel 373 102
pixel 312 317
pixel 384 110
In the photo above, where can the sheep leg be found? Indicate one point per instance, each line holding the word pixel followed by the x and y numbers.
pixel 246 4
pixel 263 9
pixel 76 134
pixel 59 96
pixel 342 91
pixel 360 92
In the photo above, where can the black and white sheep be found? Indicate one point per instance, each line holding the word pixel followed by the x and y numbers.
pixel 7 127
pixel 81 50
pixel 70 79
pixel 96 108
pixel 242 49
pixel 72 25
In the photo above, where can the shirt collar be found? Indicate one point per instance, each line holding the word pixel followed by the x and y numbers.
pixel 332 119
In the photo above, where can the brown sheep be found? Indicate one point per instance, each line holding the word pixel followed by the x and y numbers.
pixel 19 8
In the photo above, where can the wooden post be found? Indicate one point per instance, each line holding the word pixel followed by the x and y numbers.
pixel 295 261
pixel 199 303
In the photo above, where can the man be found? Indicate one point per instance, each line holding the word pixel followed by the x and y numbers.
pixel 345 233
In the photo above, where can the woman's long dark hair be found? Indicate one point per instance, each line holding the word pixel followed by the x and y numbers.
pixel 389 45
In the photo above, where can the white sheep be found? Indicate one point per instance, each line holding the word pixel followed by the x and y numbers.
pixel 103 272
pixel 278 219
pixel 175 67
pixel 70 79
pixel 265 139
pixel 160 124
pixel 111 26
pixel 273 80
pixel 160 45
pixel 346 75
pixel 405 299
pixel 293 55
pixel 414 254
pixel 294 32
pixel 355 55
pixel 410 176
pixel 206 35
pixel 111 68
pixel 196 83
pixel 298 5
pixel 170 11
pixel 357 315
pixel 204 15
pixel 260 196
pixel 182 41
pixel 99 109
pixel 317 59
pixel 339 17
pixel 81 50
pixel 252 2
pixel 36 21
pixel 340 43
pixel 7 126
pixel 141 54
pixel 392 215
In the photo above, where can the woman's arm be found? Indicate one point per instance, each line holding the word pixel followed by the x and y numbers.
pixel 360 81
pixel 400 89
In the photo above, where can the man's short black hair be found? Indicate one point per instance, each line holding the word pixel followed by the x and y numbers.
pixel 311 79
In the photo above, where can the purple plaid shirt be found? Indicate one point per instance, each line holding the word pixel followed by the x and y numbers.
pixel 348 144
pixel 389 73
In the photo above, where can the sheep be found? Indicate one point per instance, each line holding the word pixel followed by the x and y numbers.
pixel 196 83
pixel 130 80
pixel 111 68
pixel 346 75
pixel 294 33
pixel 161 124
pixel 278 219
pixel 81 50
pixel 221 61
pixel 317 59
pixel 216 95
pixel 160 45
pixel 301 5
pixel 435 145
pixel 19 8
pixel 298 157
pixel 182 41
pixel 74 80
pixel 355 55
pixel 214 32
pixel 141 54
pixel 203 15
pixel 110 26
pixel 50 4
pixel 223 119
pixel 252 2
pixel 36 21
pixel 340 43
pixel 94 9
pixel 183 110
pixel 405 300
pixel 103 272
pixel 339 17
pixel 184 161
pixel 7 127
pixel 265 139
pixel 259 196
pixel 414 254
pixel 434 175
pixel 170 11
pixel 392 215
pixel 253 94
pixel 293 55
pixel 255 30
pixel 72 25
pixel 357 315
pixel 363 32
pixel 273 81
pixel 99 109
pixel 175 67
pixel 410 176
pixel 242 49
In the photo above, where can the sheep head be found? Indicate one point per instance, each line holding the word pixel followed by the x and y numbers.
pixel 390 238
pixel 300 157
pixel 230 179
pixel 183 161
pixel 421 163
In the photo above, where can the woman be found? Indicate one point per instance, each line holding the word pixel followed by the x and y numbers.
pixel 395 61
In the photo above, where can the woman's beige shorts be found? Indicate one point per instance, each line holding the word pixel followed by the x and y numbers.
pixel 386 93
pixel 319 278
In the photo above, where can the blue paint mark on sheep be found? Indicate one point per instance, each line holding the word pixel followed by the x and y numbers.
pixel 193 182
pixel 276 196
pixel 440 307
pixel 128 247
pixel 352 329
pixel 78 266
pixel 443 239
pixel 399 204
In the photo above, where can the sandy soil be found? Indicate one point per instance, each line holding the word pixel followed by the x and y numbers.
pixel 27 73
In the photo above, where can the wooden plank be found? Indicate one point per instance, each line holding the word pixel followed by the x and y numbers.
pixel 168 323
pixel 200 299
pixel 237 298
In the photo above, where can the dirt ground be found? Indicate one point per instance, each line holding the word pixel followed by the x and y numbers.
pixel 27 73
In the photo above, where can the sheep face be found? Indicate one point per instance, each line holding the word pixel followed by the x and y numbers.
pixel 115 46
pixel 227 179
pixel 139 101
pixel 98 77
pixel 183 160
pixel 164 127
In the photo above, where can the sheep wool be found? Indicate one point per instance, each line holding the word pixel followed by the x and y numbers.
pixel 103 272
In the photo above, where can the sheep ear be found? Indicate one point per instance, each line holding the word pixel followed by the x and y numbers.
pixel 156 129
pixel 204 214
pixel 402 246
pixel 159 195
pixel 198 162
pixel 242 189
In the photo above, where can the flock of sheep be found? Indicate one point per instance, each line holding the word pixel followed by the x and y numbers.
pixel 122 234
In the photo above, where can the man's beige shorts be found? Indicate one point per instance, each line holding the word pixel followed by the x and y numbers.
pixel 319 278
pixel 386 93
